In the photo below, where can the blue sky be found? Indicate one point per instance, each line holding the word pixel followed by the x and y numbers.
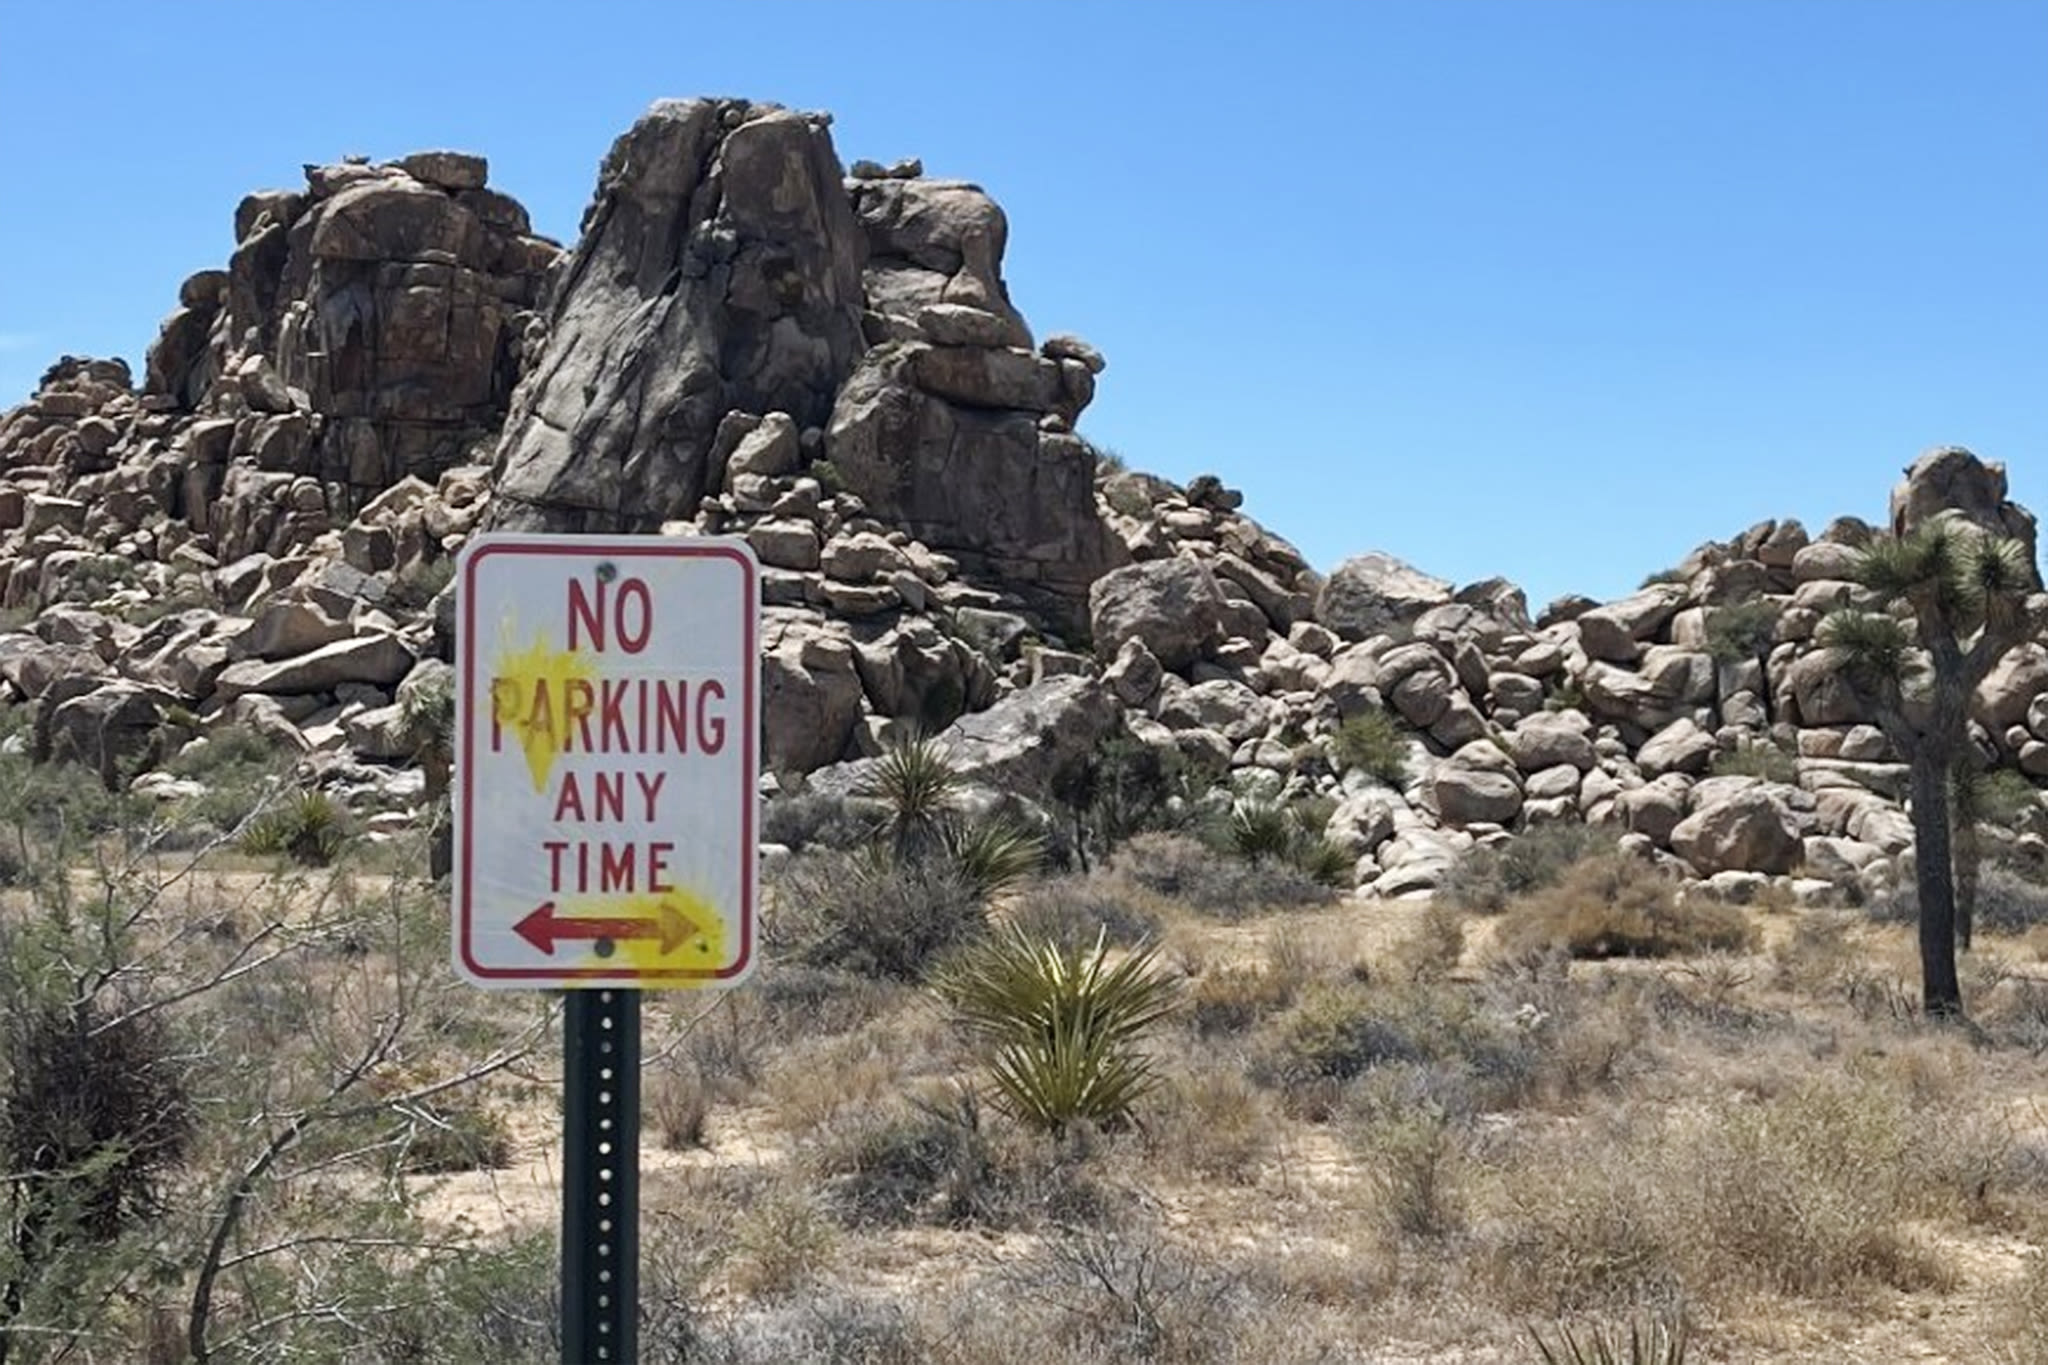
pixel 1554 289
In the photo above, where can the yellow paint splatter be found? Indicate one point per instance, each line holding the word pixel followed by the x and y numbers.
pixel 699 945
pixel 529 701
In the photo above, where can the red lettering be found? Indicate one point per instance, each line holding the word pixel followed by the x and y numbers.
pixel 650 791
pixel 611 796
pixel 710 728
pixel 671 722
pixel 611 724
pixel 586 616
pixel 634 590
pixel 615 867
pixel 540 717
pixel 657 867
pixel 577 700
pixel 556 848
pixel 504 707
pixel 569 801
pixel 631 615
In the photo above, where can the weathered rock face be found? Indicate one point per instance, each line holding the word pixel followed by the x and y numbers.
pixel 1951 478
pixel 719 271
pixel 1374 593
pixel 953 426
pixel 1750 832
pixel 368 328
pixel 1171 606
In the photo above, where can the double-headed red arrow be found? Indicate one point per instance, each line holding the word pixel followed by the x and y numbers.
pixel 543 928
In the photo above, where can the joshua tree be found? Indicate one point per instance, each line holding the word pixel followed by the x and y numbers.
pixel 1966 850
pixel 1954 598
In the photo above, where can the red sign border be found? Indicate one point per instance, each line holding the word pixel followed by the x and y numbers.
pixel 487 546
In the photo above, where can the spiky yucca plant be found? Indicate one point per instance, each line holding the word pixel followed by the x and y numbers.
pixel 1657 1343
pixel 1956 598
pixel 1261 828
pixel 993 856
pixel 1064 1022
pixel 917 784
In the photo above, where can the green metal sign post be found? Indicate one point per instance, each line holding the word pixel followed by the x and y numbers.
pixel 601 1179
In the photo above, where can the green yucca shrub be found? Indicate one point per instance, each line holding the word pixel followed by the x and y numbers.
pixel 1065 1024
pixel 1260 828
pixel 916 785
pixel 310 828
pixel 1660 1341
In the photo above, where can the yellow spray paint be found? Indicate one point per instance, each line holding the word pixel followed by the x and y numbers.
pixel 528 689
pixel 701 948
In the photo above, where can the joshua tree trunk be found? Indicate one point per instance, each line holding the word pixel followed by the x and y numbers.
pixel 1966 852
pixel 1942 993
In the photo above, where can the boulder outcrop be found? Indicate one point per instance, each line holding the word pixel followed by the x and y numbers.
pixel 748 340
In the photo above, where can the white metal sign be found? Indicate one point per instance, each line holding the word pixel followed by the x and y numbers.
pixel 607 743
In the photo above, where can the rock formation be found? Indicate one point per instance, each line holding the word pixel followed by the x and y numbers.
pixel 748 341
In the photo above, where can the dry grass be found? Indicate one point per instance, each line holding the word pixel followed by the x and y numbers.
pixel 1387 1132
pixel 1617 906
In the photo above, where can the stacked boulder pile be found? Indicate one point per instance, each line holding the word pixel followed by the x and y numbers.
pixel 750 340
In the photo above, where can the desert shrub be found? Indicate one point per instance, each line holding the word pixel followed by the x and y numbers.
pixel 1805 1192
pixel 1072 911
pixel 2025 1313
pixel 1064 1023
pixel 1186 871
pixel 815 820
pixel 1742 631
pixel 825 1325
pixel 1616 906
pixel 310 828
pixel 1213 1122
pixel 781 1243
pixel 1414 1154
pixel 2008 902
pixel 678 1102
pixel 1127 787
pixel 923 1162
pixel 93 1115
pixel 239 768
pixel 451 1137
pixel 1127 1294
pixel 1260 828
pixel 1432 952
pixel 1582 1230
pixel 1763 760
pixel 869 915
pixel 1486 877
pixel 786 1000
pixel 1231 999
pixel 1373 742
pixel 1338 1033
pixel 53 804
pixel 2007 799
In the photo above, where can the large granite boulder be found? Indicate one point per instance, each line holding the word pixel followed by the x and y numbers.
pixel 1951 478
pixel 1172 606
pixel 1373 594
pixel 719 271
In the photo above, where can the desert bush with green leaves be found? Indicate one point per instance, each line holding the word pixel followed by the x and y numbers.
pixel 1373 742
pixel 1064 1024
